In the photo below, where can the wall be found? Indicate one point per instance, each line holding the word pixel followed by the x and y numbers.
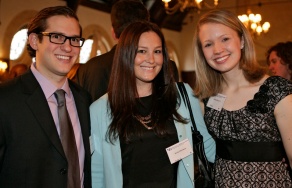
pixel 13 15
pixel 278 14
pixel 23 11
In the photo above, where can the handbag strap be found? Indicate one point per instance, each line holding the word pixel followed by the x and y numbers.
pixel 196 135
pixel 186 100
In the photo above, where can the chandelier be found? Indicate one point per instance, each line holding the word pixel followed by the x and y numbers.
pixel 183 5
pixel 253 23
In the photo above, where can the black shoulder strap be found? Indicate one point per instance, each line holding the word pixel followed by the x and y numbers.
pixel 186 100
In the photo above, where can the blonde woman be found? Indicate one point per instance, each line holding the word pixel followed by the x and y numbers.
pixel 248 113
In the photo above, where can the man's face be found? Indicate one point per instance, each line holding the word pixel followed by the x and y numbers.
pixel 55 60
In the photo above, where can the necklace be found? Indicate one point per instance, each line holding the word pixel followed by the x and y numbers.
pixel 144 120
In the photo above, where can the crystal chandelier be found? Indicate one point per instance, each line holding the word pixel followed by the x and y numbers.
pixel 253 23
pixel 183 5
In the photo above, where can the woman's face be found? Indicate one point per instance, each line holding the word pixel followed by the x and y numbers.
pixel 221 46
pixel 278 67
pixel 149 59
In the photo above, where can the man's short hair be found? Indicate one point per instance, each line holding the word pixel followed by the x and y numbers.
pixel 125 12
pixel 39 22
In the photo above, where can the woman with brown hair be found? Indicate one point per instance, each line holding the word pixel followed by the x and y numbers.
pixel 141 116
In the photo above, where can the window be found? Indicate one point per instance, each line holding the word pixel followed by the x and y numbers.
pixel 18 44
pixel 95 44
pixel 172 54
pixel 85 51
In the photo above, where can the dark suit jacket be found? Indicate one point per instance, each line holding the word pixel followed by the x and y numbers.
pixel 95 74
pixel 31 153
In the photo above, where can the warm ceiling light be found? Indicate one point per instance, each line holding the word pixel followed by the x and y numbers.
pixel 253 23
pixel 3 66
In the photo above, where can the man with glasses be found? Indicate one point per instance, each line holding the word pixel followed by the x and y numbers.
pixel 44 117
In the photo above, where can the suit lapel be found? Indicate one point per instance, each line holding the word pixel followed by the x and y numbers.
pixel 82 107
pixel 39 106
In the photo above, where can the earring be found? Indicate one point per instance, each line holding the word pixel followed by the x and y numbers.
pixel 242 46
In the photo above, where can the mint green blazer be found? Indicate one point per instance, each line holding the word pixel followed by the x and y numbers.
pixel 106 165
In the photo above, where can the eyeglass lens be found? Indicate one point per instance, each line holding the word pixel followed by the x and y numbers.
pixel 61 39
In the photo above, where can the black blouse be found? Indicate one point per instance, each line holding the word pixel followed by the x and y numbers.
pixel 145 162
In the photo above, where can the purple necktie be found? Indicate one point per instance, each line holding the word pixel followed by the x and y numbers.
pixel 68 141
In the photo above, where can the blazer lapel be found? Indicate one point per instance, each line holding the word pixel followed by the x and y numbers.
pixel 82 107
pixel 39 106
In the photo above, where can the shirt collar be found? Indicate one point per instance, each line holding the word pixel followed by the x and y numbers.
pixel 48 87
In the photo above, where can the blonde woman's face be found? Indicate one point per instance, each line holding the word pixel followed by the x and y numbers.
pixel 221 46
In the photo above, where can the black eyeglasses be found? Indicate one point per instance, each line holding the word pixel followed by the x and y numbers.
pixel 58 38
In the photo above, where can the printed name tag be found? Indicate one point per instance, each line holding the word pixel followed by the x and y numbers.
pixel 216 102
pixel 179 151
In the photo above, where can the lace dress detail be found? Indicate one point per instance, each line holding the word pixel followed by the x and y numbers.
pixel 253 123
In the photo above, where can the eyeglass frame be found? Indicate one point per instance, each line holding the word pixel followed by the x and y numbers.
pixel 49 34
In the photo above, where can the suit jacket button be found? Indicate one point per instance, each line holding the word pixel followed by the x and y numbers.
pixel 63 171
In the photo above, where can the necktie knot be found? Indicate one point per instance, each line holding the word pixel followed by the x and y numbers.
pixel 60 96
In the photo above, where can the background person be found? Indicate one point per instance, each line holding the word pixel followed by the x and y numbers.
pixel 141 116
pixel 279 59
pixel 253 124
pixel 18 70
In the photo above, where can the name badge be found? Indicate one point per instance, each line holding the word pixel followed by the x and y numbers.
pixel 216 102
pixel 179 151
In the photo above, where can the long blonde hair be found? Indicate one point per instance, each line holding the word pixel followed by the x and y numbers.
pixel 208 80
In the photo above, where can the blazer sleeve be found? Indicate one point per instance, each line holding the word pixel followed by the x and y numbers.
pixel 97 171
pixel 209 142
pixel 106 159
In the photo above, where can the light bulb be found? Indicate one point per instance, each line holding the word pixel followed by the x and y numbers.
pixel 266 26
pixel 253 26
pixel 259 29
pixel 258 18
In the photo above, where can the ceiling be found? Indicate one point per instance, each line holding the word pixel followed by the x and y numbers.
pixel 155 7
pixel 175 21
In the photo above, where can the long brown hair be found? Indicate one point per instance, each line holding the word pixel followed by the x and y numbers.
pixel 122 89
